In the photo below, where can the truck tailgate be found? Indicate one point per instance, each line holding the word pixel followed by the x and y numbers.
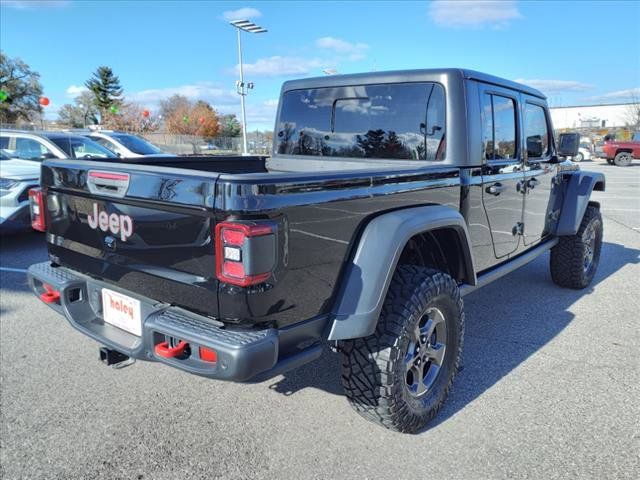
pixel 145 229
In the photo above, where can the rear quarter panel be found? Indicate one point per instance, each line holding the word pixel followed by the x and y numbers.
pixel 321 216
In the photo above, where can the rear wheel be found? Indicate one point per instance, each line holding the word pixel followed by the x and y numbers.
pixel 623 159
pixel 574 260
pixel 400 376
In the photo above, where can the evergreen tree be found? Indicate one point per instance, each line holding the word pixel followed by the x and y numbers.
pixel 106 89
pixel 230 126
pixel 372 143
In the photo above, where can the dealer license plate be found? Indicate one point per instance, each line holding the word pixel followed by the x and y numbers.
pixel 121 311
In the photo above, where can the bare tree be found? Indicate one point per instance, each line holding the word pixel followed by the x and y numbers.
pixel 21 89
pixel 632 113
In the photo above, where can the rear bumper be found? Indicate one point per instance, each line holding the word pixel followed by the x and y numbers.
pixel 241 354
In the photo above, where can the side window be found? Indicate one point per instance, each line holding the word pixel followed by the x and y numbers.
pixel 435 124
pixel 504 127
pixel 29 149
pixel 487 126
pixel 536 132
pixel 499 127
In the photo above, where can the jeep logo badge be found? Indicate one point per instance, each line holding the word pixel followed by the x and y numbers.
pixel 110 242
pixel 114 223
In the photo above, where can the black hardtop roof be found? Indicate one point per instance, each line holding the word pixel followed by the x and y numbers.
pixel 404 76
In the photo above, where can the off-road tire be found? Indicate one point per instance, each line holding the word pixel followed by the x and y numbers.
pixel 623 159
pixel 568 257
pixel 374 373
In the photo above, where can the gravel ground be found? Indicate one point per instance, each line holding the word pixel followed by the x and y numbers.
pixel 550 390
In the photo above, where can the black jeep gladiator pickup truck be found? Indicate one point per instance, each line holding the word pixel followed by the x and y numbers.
pixel 387 198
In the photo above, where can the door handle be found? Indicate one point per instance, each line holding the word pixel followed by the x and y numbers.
pixel 495 189
pixel 533 182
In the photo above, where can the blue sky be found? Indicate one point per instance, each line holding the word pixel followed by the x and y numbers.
pixel 576 52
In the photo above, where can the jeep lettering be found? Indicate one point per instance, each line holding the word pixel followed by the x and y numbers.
pixel 114 223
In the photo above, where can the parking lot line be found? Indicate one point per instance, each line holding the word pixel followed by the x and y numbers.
pixel 15 270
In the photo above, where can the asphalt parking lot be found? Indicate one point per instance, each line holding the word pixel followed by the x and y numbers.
pixel 550 389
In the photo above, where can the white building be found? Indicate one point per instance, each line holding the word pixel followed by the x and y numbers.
pixel 591 116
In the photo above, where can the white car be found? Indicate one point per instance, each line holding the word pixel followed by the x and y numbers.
pixel 22 153
pixel 583 154
pixel 124 144
pixel 16 178
pixel 39 146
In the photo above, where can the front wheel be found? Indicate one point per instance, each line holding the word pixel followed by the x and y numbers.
pixel 578 158
pixel 574 260
pixel 623 159
pixel 400 376
pixel 610 161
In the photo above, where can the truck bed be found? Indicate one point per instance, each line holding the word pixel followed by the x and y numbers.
pixel 175 203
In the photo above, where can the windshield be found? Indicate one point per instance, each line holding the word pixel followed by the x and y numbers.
pixel 81 147
pixel 136 144
pixel 389 121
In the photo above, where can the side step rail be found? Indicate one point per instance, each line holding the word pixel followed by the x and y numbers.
pixel 508 267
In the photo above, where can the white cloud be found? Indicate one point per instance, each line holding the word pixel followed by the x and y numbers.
pixel 555 86
pixel 26 4
pixel 470 13
pixel 279 66
pixel 263 113
pixel 244 13
pixel 355 51
pixel 207 91
pixel 259 113
pixel 628 94
pixel 73 91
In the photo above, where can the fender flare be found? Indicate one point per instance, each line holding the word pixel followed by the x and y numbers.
pixel 576 199
pixel 367 276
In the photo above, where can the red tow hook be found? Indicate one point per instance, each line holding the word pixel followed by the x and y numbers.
pixel 49 295
pixel 164 350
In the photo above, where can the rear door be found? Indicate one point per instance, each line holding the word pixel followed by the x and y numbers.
pixel 539 172
pixel 502 174
pixel 146 231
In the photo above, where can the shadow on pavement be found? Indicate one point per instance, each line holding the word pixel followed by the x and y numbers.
pixel 507 322
pixel 18 251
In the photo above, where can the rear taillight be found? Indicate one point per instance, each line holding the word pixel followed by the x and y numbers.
pixel 36 205
pixel 245 253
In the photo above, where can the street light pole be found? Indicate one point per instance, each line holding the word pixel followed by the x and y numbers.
pixel 242 93
pixel 241 87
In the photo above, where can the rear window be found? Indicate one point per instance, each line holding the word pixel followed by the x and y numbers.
pixel 390 121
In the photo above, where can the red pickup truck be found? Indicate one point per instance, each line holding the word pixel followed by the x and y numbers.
pixel 621 153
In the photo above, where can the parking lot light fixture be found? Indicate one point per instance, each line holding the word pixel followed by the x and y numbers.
pixel 241 87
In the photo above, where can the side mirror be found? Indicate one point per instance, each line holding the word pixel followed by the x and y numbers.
pixel 568 144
